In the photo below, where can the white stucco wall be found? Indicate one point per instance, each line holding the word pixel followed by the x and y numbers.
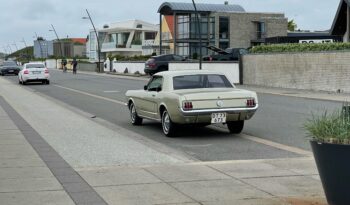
pixel 131 66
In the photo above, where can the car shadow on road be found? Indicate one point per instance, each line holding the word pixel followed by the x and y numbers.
pixel 193 132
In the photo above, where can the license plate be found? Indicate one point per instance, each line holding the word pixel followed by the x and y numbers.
pixel 36 72
pixel 10 71
pixel 218 118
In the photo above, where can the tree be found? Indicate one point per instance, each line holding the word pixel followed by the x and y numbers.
pixel 292 26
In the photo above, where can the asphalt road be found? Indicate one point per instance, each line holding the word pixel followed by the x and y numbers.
pixel 279 119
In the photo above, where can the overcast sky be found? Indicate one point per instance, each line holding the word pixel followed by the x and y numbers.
pixel 22 18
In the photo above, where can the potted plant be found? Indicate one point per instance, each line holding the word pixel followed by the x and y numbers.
pixel 330 142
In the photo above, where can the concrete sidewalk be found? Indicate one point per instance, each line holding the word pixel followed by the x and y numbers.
pixel 37 165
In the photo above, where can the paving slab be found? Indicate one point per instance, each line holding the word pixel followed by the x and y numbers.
pixel 118 176
pixel 29 184
pixel 25 172
pixel 288 186
pixel 252 169
pixel 219 190
pixel 305 166
pixel 142 194
pixel 256 201
pixel 21 162
pixel 36 198
pixel 6 124
pixel 186 173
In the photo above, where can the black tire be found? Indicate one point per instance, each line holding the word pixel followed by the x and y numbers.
pixel 135 119
pixel 168 127
pixel 235 127
pixel 24 83
pixel 19 82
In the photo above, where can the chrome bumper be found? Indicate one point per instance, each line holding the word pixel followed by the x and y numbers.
pixel 227 110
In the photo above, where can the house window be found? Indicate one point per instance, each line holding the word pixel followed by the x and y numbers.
pixel 261 30
pixel 139 26
pixel 150 35
pixel 223 27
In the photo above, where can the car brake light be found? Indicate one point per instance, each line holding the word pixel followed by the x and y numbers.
pixel 46 70
pixel 187 106
pixel 251 102
pixel 26 72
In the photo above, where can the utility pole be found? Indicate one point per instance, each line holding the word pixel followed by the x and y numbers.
pixel 199 34
pixel 98 41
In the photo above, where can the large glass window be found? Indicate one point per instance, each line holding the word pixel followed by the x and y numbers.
pixel 260 29
pixel 223 27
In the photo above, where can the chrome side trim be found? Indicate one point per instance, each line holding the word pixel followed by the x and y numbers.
pixel 142 116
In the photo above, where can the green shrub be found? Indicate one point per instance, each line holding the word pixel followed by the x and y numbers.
pixel 330 128
pixel 300 47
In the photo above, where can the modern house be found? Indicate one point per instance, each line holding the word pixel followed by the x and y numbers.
pixel 126 38
pixel 70 47
pixel 341 22
pixel 222 25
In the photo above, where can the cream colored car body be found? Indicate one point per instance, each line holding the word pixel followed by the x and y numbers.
pixel 205 101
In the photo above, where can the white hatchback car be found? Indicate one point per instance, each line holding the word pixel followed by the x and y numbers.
pixel 34 72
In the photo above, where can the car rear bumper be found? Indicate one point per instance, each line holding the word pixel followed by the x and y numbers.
pixel 204 116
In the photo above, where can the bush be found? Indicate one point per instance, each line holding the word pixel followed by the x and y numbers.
pixel 330 128
pixel 300 47
pixel 129 58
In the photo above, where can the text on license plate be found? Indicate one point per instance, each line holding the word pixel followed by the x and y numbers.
pixel 218 118
pixel 36 72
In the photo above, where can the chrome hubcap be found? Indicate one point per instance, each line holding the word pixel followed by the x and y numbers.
pixel 132 113
pixel 166 122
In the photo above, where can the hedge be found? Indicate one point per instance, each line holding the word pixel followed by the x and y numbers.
pixel 299 47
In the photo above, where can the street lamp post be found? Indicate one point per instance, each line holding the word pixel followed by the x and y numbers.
pixel 98 41
pixel 54 30
pixel 199 34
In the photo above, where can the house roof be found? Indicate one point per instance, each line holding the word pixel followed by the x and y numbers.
pixel 340 19
pixel 168 8
pixel 79 40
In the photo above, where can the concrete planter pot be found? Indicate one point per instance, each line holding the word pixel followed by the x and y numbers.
pixel 333 165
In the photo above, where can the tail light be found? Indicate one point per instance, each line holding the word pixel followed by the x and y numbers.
pixel 46 71
pixel 187 105
pixel 251 102
pixel 26 72
pixel 151 63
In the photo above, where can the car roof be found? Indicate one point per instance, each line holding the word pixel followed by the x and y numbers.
pixel 34 63
pixel 186 72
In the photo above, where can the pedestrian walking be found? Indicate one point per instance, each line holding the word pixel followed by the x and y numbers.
pixel 74 64
pixel 64 65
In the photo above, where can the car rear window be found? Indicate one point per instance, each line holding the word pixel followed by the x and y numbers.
pixel 35 66
pixel 201 81
pixel 10 63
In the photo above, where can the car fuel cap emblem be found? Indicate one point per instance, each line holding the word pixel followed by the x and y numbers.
pixel 220 103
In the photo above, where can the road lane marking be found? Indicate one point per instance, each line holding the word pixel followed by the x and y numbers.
pixel 111 91
pixel 91 95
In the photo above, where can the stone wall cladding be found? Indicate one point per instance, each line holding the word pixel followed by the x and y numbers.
pixel 324 71
pixel 243 27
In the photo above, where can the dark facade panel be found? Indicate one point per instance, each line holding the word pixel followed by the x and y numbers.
pixel 168 8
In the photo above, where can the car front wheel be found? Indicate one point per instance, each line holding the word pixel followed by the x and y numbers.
pixel 168 126
pixel 235 127
pixel 135 119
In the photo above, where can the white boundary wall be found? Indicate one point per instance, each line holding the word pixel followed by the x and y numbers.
pixel 230 69
pixel 131 66
pixel 51 63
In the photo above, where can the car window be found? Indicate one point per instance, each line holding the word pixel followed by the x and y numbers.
pixel 35 66
pixel 178 58
pixel 155 83
pixel 201 81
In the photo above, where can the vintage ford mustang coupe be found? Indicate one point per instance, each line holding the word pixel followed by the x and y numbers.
pixel 191 97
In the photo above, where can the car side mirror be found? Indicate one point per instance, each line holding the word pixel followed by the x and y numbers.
pixel 145 87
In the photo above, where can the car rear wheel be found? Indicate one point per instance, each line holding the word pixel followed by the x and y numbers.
pixel 235 127
pixel 168 126
pixel 135 119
